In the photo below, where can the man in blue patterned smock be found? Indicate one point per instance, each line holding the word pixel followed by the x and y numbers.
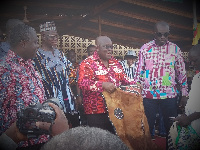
pixel 54 68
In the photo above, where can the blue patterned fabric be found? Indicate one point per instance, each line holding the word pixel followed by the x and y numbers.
pixel 4 47
pixel 54 70
pixel 129 70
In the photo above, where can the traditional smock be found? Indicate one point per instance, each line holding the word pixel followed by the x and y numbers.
pixel 54 70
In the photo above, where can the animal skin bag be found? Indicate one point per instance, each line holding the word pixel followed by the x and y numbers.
pixel 126 112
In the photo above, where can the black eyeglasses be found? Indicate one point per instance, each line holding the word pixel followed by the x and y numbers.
pixel 166 34
pixel 107 46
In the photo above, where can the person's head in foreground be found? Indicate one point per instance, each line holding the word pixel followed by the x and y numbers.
pixel 85 138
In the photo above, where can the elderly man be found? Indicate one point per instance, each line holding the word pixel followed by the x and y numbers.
pixel 97 73
pixel 54 68
pixel 85 138
pixel 20 84
pixel 160 63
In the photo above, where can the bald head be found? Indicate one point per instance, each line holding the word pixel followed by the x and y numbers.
pixel 161 24
pixel 102 40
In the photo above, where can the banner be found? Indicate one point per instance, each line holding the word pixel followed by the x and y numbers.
pixel 196 34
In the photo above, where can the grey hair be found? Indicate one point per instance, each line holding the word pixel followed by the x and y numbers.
pixel 20 33
pixel 85 138
pixel 10 24
pixel 99 40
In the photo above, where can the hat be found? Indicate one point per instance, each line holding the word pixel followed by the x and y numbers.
pixel 131 54
pixel 48 26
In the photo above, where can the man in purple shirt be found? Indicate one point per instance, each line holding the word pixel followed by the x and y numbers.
pixel 160 63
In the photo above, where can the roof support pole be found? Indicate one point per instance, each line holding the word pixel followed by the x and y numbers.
pixel 99 21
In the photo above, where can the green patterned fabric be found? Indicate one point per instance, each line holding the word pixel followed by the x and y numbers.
pixel 181 138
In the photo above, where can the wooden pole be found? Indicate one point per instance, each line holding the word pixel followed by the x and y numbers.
pixel 99 20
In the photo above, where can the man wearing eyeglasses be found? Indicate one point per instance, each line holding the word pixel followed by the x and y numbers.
pixel 54 68
pixel 97 73
pixel 160 62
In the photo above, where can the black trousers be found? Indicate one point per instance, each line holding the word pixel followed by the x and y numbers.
pixel 73 119
pixel 100 121
pixel 83 118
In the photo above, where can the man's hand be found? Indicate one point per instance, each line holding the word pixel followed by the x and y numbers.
pixel 182 120
pixel 109 87
pixel 14 134
pixel 60 123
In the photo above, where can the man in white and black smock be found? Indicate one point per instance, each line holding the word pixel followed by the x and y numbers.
pixel 54 68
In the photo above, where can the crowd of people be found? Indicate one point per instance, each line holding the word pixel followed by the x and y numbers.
pixel 30 74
